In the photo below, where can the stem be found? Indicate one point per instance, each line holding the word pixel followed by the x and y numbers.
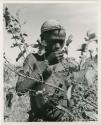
pixel 91 103
pixel 25 58
pixel 25 76
pixel 66 110
pixel 36 64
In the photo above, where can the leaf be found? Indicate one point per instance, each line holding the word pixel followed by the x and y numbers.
pixel 22 40
pixel 26 45
pixel 92 115
pixel 36 45
pixel 15 45
pixel 65 50
pixel 16 20
pixel 10 25
pixel 17 30
pixel 23 23
pixel 86 39
pixel 83 47
pixel 20 55
pixel 69 40
pixel 9 31
pixel 39 42
pixel 20 34
pixel 87 33
pixel 15 37
pixel 24 34
pixel 91 36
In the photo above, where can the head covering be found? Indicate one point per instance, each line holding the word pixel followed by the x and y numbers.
pixel 52 29
pixel 51 25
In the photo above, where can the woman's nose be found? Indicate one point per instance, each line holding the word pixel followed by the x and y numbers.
pixel 57 46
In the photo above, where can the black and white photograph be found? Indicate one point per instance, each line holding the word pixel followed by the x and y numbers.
pixel 50 62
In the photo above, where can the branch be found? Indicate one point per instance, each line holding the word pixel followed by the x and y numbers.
pixel 65 110
pixel 25 76
pixel 12 29
pixel 89 102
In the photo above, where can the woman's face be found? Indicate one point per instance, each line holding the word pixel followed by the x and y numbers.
pixel 55 41
pixel 55 45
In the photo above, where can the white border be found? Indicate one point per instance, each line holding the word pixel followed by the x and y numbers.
pixel 1 61
pixel 51 1
pixel 99 62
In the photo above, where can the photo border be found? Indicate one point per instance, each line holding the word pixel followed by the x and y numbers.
pixel 1 64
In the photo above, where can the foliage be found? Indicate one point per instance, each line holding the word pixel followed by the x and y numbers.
pixel 14 27
pixel 83 101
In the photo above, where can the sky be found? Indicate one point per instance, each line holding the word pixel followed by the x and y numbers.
pixel 77 18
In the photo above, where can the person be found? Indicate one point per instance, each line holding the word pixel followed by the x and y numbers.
pixel 50 72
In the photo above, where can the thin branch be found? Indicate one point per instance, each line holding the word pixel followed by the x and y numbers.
pixel 65 110
pixel 18 22
pixel 25 76
pixel 89 102
pixel 36 63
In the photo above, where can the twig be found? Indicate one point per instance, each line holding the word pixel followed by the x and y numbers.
pixel 90 103
pixel 23 55
pixel 18 22
pixel 65 109
pixel 25 76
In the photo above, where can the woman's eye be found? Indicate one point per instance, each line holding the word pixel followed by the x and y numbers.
pixel 61 42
